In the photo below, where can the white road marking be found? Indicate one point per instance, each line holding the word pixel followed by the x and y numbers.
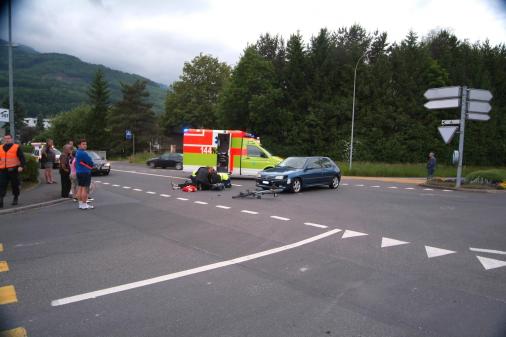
pixel 491 251
pixel 200 202
pixel 434 252
pixel 163 278
pixel 489 263
pixel 351 234
pixel 106 183
pixel 115 185
pixel 393 187
pixel 428 189
pixel 279 218
pixel 98 181
pixel 447 191
pixel 150 192
pixel 237 185
pixel 249 212
pixel 223 207
pixel 409 188
pixel 126 187
pixel 165 195
pixel 315 225
pixel 344 184
pixel 137 189
pixel 360 185
pixel 388 242
pixel 182 199
pixel 376 186
pixel 149 174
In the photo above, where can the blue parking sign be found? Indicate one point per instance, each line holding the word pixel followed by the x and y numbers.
pixel 128 135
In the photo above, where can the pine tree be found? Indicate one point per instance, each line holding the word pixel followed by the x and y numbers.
pixel 98 96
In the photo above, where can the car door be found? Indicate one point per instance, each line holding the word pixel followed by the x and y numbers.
pixel 312 172
pixel 164 160
pixel 328 170
pixel 255 161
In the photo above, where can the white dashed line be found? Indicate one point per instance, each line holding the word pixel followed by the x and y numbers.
pixel 360 185
pixel 137 189
pixel 115 185
pixel 200 202
pixel 165 195
pixel 98 181
pixel 409 188
pixel 279 218
pixel 428 189
pixel 106 183
pixel 315 225
pixel 182 199
pixel 344 184
pixel 150 192
pixel 223 207
pixel 447 191
pixel 248 212
pixel 376 186
pixel 393 187
pixel 126 187
pixel 237 185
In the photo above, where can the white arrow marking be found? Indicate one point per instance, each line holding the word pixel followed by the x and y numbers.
pixel 435 252
pixel 491 251
pixel 387 242
pixel 351 234
pixel 489 263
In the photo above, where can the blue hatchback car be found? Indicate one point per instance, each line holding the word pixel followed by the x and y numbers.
pixel 295 173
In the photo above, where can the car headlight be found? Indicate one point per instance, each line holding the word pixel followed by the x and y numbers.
pixel 278 177
pixel 288 181
pixel 259 175
pixel 107 164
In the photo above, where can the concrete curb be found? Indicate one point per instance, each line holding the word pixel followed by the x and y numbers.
pixel 32 206
pixel 463 189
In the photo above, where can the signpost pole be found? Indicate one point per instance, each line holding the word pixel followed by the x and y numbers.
pixel 133 144
pixel 11 84
pixel 463 110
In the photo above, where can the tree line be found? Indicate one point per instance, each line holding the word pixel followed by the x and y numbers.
pixel 297 96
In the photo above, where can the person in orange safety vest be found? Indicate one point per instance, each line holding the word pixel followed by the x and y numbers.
pixel 12 162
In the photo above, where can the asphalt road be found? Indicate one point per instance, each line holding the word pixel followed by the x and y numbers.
pixel 369 259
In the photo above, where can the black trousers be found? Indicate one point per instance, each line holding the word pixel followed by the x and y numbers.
pixel 6 176
pixel 65 184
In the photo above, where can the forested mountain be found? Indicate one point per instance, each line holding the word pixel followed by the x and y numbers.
pixel 49 83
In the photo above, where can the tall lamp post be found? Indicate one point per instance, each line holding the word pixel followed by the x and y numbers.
pixel 353 108
pixel 11 86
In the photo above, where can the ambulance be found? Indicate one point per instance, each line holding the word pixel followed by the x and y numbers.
pixel 235 152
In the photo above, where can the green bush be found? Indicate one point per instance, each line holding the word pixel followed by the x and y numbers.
pixel 31 171
pixel 486 177
pixel 27 148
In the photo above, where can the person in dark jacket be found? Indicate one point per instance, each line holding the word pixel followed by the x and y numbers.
pixel 12 162
pixel 48 157
pixel 65 159
pixel 431 166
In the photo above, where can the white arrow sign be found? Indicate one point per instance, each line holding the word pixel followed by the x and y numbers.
pixel 481 107
pixel 480 95
pixel 477 117
pixel 443 104
pixel 450 122
pixel 447 132
pixel 444 92
pixel 4 115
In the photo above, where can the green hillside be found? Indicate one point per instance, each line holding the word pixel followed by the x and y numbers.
pixel 49 83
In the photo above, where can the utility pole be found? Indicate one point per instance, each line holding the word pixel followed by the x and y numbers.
pixel 463 111
pixel 11 85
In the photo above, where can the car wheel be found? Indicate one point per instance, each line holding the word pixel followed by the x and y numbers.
pixel 296 185
pixel 335 182
pixel 179 166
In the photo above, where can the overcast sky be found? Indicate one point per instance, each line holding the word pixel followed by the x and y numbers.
pixel 154 38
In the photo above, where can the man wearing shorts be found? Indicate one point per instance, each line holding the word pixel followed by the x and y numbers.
pixel 84 164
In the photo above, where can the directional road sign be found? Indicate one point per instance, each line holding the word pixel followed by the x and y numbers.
pixel 443 104
pixel 444 92
pixel 128 135
pixel 480 95
pixel 450 122
pixel 447 132
pixel 4 115
pixel 481 107
pixel 477 117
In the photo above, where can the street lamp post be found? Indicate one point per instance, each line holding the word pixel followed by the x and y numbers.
pixel 353 109
pixel 11 85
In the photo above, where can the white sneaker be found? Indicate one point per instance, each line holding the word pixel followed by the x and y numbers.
pixel 88 206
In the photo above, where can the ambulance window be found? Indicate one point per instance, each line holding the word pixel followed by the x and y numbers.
pixel 254 151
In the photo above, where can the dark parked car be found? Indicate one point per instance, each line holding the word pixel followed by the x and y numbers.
pixel 101 165
pixel 174 160
pixel 296 173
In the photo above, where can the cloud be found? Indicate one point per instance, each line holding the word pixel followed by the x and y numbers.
pixel 155 38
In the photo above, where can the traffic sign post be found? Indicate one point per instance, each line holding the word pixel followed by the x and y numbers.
pixel 4 115
pixel 474 105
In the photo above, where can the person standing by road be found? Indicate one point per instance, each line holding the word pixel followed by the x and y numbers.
pixel 48 158
pixel 12 162
pixel 65 171
pixel 431 165
pixel 84 164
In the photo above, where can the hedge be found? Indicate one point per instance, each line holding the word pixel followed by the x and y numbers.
pixel 487 177
pixel 31 171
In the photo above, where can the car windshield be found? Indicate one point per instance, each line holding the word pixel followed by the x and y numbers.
pixel 295 162
pixel 94 155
